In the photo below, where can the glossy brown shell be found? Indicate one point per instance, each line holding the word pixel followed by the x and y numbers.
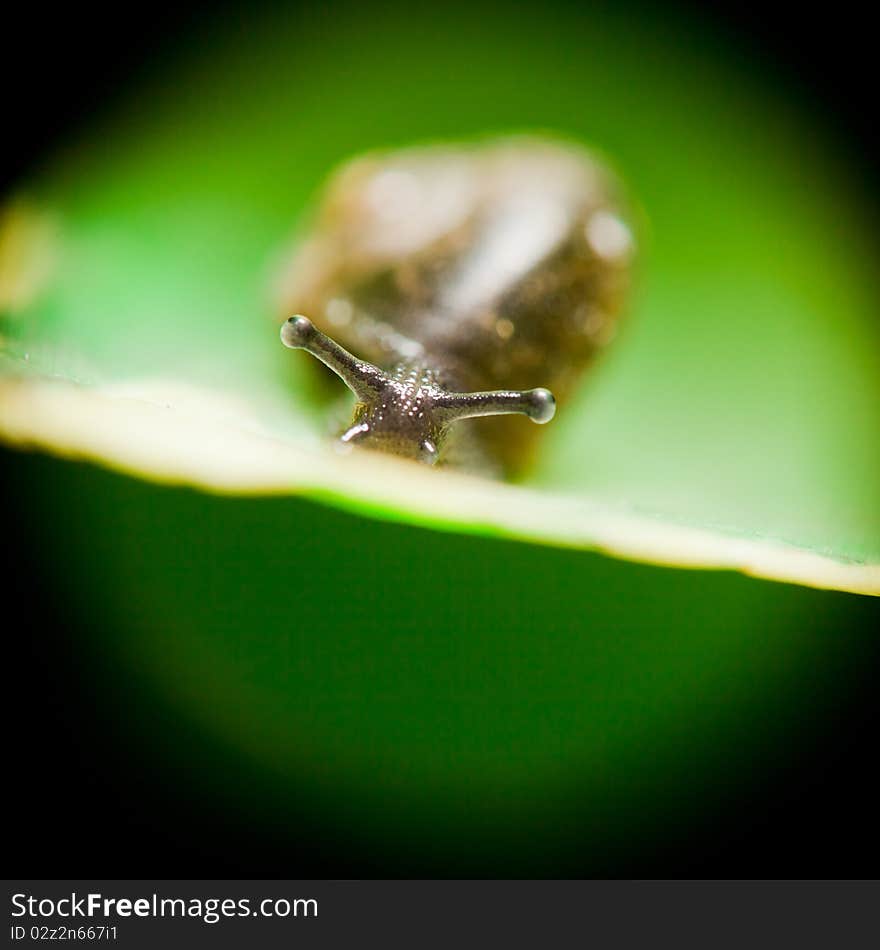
pixel 505 264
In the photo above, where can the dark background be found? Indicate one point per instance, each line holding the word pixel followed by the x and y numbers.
pixel 60 62
pixel 79 806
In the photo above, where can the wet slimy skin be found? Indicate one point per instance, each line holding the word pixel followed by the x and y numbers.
pixel 469 282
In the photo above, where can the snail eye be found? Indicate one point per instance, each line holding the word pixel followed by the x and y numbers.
pixel 442 408
pixel 538 404
pixel 363 379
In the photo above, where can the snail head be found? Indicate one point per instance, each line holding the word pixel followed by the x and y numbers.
pixel 406 411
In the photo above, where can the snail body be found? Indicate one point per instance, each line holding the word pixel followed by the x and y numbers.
pixel 466 280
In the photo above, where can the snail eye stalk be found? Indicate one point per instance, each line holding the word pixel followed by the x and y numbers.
pixel 538 404
pixel 408 418
pixel 363 379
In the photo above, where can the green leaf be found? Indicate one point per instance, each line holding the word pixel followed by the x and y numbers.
pixel 735 423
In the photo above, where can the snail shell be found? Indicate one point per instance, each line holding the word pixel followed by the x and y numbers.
pixel 498 266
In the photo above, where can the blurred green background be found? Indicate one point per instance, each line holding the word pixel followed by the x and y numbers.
pixel 742 394
pixel 422 703
pixel 408 702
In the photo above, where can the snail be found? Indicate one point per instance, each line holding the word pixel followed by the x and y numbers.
pixel 447 283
